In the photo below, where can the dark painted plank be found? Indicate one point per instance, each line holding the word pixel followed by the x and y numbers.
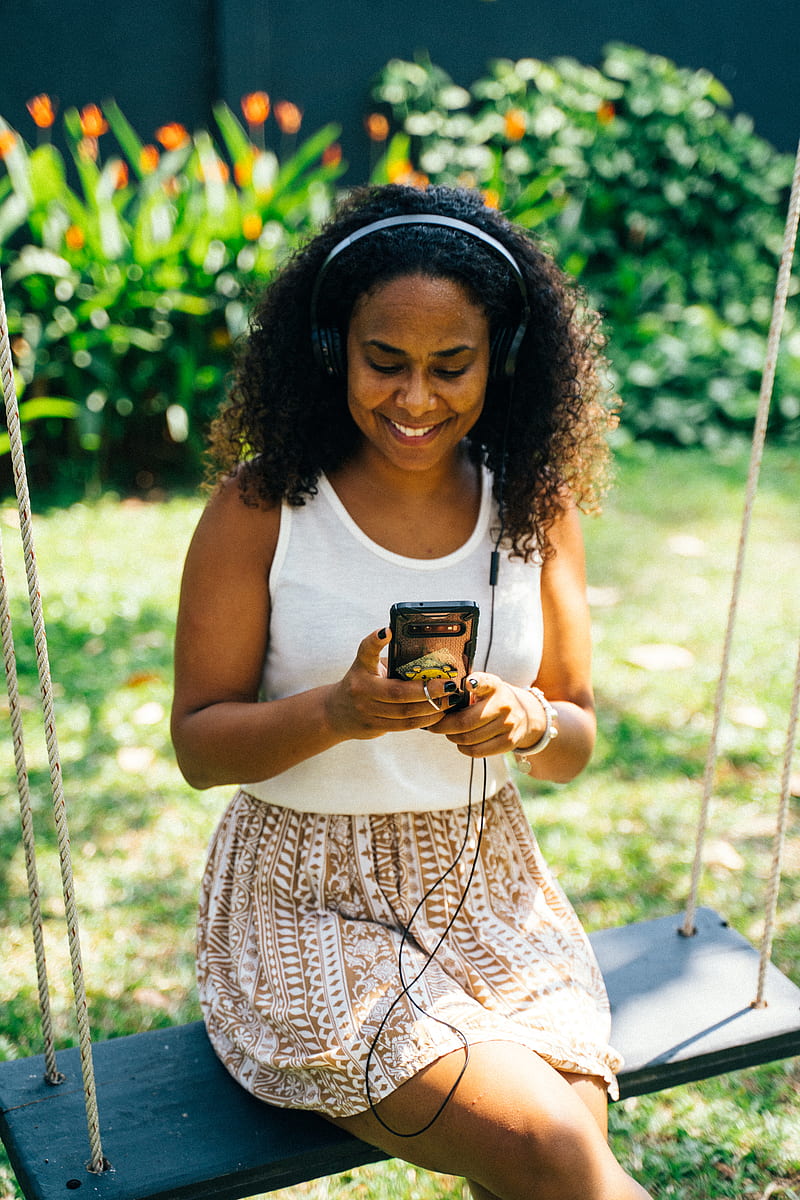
pixel 175 1126
pixel 682 1006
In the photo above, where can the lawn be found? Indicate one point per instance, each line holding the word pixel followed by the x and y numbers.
pixel 620 837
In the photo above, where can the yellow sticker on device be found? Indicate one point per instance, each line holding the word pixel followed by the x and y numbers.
pixel 429 666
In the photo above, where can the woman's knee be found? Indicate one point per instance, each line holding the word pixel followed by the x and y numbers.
pixel 556 1152
pixel 514 1127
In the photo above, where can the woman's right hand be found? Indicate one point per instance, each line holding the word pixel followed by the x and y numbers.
pixel 366 703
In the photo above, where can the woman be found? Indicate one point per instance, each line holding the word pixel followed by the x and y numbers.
pixel 418 397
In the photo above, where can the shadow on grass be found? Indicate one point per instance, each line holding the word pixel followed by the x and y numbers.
pixel 99 679
pixel 633 747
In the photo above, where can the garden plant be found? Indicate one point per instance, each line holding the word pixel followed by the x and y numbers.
pixel 129 268
pixel 668 210
pixel 125 291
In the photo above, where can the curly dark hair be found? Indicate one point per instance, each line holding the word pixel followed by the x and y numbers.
pixel 542 435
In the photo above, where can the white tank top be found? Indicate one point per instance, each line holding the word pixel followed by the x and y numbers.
pixel 330 586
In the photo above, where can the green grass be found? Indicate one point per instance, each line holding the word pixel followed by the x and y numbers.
pixel 620 837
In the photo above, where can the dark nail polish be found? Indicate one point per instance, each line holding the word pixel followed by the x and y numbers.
pixel 451 686
pixel 382 633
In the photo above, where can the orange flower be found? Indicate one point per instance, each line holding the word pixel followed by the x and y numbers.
pixel 93 123
pixel 255 107
pixel 148 159
pixel 515 124
pixel 88 149
pixel 288 116
pixel 332 155
pixel 213 171
pixel 74 238
pixel 243 172
pixel 7 142
pixel 491 197
pixel 42 111
pixel 172 136
pixel 377 127
pixel 403 172
pixel 606 112
pixel 400 171
pixel 220 338
pixel 252 226
pixel 21 349
pixel 121 175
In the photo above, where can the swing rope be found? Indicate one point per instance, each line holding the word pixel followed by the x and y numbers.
pixel 98 1163
pixel 52 1073
pixel 759 438
pixel 773 887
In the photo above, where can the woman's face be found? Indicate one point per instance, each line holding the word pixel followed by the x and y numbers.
pixel 417 367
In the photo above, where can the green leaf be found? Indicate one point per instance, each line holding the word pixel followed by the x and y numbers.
pixel 307 153
pixel 36 260
pixel 233 134
pixel 39 409
pixel 531 217
pixel 47 175
pixel 132 145
pixel 538 187
pixel 140 338
pixel 17 165
pixel 13 214
pixel 397 152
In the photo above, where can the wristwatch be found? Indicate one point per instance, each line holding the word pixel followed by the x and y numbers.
pixel 523 756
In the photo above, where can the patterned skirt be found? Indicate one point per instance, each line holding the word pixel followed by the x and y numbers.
pixel 339 955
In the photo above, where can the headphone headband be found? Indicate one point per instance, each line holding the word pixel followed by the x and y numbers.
pixel 327 343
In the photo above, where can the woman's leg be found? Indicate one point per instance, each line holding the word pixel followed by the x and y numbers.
pixel 515 1128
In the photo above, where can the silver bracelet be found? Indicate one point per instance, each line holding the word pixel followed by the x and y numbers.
pixel 550 731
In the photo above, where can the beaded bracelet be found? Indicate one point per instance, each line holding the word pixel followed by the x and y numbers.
pixel 523 756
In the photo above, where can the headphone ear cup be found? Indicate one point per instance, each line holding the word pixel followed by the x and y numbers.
pixel 328 351
pixel 504 349
pixel 498 353
pixel 338 357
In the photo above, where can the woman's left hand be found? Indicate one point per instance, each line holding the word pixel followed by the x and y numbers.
pixel 499 718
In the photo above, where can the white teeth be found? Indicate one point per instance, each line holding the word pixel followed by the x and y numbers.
pixel 413 430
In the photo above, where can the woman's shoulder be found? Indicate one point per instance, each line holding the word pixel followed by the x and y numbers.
pixel 236 524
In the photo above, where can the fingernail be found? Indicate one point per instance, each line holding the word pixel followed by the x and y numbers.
pixel 451 686
pixel 382 633
pixel 472 683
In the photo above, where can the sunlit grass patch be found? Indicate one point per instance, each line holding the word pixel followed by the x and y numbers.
pixel 620 837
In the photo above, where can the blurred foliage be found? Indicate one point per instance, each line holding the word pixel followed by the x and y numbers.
pixel 128 267
pixel 125 290
pixel 670 212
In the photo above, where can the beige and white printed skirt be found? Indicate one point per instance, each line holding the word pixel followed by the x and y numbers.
pixel 301 928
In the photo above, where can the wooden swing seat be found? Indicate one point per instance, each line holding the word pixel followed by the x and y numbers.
pixel 175 1125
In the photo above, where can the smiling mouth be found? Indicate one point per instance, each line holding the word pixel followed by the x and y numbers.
pixel 411 431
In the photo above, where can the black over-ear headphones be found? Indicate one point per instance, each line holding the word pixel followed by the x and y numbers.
pixel 328 343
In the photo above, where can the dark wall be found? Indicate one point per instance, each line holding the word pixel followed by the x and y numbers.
pixel 167 60
pixel 157 58
pixel 324 52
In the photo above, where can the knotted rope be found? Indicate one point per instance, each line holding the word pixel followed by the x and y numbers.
pixel 759 437
pixel 98 1163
